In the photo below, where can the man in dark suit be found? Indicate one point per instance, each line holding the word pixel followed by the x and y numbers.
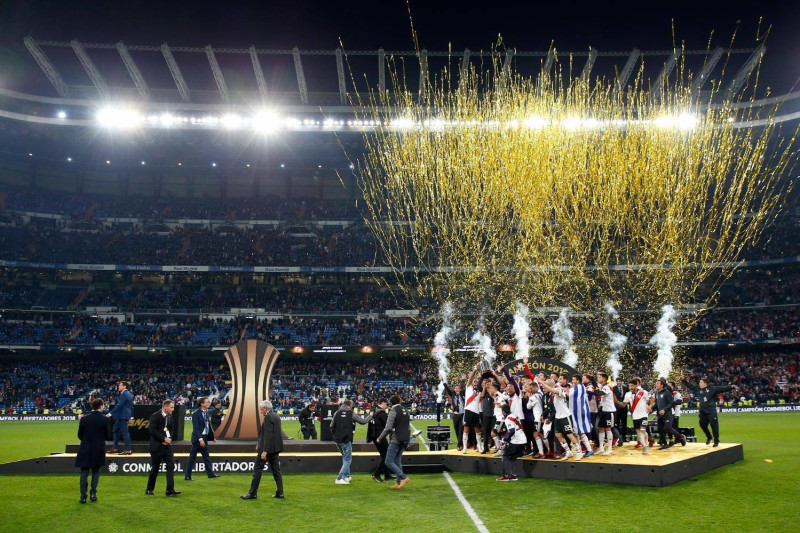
pixel 376 427
pixel 269 447
pixel 122 414
pixel 621 420
pixel 216 414
pixel 307 417
pixel 161 430
pixel 202 434
pixel 93 431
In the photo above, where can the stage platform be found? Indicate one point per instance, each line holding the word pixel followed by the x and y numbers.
pixel 248 446
pixel 625 466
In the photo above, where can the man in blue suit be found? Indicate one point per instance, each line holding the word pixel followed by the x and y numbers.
pixel 121 414
pixel 202 434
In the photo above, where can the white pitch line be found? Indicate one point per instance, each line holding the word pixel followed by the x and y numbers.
pixel 467 507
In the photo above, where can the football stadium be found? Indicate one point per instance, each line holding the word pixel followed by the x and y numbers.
pixel 436 267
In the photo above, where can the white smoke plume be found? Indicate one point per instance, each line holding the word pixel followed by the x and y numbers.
pixel 522 330
pixel 563 336
pixel 484 343
pixel 664 339
pixel 616 343
pixel 441 349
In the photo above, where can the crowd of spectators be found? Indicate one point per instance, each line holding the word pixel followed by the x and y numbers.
pixel 87 206
pixel 758 377
pixel 44 242
pixel 70 383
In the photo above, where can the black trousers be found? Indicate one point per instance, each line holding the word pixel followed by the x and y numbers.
pixel 193 457
pixel 675 423
pixel 510 455
pixel 309 432
pixel 382 469
pixel 527 426
pixel 95 470
pixel 665 426
pixel 713 420
pixel 273 460
pixel 621 423
pixel 458 427
pixel 164 455
pixel 488 423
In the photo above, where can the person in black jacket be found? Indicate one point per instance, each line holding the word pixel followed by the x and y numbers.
pixel 161 428
pixel 663 401
pixel 376 427
pixel 269 447
pixel 621 420
pixel 706 396
pixel 343 426
pixel 306 418
pixel 398 424
pixel 93 431
pixel 215 418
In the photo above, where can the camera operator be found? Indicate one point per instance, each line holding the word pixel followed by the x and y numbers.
pixel 307 417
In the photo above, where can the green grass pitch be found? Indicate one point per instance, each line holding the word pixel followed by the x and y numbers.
pixel 752 495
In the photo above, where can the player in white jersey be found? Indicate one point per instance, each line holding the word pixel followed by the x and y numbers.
pixel 605 416
pixel 472 410
pixel 636 400
pixel 536 404
pixel 515 441
pixel 563 420
pixel 500 399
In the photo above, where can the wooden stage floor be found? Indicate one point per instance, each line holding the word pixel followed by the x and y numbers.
pixel 625 466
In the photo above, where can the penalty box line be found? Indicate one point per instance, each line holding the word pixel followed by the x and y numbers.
pixel 453 485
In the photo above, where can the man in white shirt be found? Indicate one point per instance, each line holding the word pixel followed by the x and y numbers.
pixel 536 405
pixel 605 417
pixel 500 399
pixel 472 410
pixel 563 420
pixel 636 400
pixel 515 441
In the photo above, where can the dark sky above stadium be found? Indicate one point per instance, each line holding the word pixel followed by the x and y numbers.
pixel 369 24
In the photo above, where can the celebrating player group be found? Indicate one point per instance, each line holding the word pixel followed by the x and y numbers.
pixel 562 416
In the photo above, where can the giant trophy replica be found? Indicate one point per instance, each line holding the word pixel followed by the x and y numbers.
pixel 251 362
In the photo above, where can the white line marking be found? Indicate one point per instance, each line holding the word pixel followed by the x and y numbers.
pixel 467 507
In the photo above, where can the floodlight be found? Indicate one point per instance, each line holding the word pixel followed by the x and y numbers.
pixel 266 121
pixel 232 121
pixel 111 117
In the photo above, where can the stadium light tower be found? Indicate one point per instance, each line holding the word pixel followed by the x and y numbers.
pixel 90 68
pixel 177 76
pixel 221 85
pixel 301 78
pixel 133 70
pixel 262 84
pixel 340 74
pixel 47 66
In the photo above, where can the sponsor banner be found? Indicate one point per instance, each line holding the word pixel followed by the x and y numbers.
pixel 134 466
pixel 749 409
pixel 37 418
pixel 80 266
pixel 187 268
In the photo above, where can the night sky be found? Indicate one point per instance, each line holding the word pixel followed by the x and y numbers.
pixel 529 26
